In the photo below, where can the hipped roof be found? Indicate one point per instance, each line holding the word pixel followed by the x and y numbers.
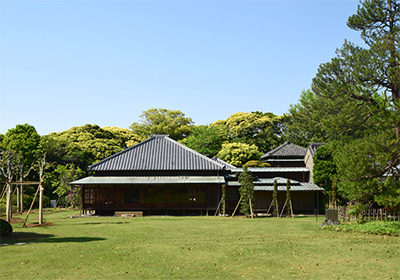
pixel 159 152
pixel 286 150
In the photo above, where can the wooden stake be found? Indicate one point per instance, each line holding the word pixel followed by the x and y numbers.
pixel 216 211
pixel 30 208
pixel 283 209
pixel 236 207
pixel 291 209
pixel 251 209
pixel 3 192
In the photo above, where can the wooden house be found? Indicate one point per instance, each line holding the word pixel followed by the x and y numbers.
pixel 160 176
pixel 309 157
pixel 156 176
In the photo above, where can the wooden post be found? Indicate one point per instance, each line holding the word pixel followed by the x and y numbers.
pixel 18 199
pixel 251 209
pixel 40 203
pixel 216 211
pixel 291 209
pixel 9 203
pixel 236 207
pixel 21 203
pixel 30 208
pixel 283 209
pixel 3 192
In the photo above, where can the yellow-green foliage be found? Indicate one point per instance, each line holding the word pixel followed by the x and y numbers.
pixel 87 144
pixel 256 163
pixel 238 153
pixel 262 129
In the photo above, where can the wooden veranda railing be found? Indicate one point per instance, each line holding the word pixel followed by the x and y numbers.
pixel 368 215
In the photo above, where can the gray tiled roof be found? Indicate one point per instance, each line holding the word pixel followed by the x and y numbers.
pixel 287 149
pixel 313 148
pixel 272 169
pixel 148 180
pixel 267 184
pixel 302 187
pixel 224 163
pixel 157 153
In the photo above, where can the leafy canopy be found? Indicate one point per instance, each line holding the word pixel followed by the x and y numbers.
pixel 87 144
pixel 206 140
pixel 265 130
pixel 238 154
pixel 162 121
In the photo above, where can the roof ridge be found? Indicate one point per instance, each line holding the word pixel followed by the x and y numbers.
pixel 194 152
pixel 119 153
pixel 277 148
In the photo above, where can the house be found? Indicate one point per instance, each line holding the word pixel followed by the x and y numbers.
pixel 156 176
pixel 287 163
pixel 286 155
pixel 161 176
pixel 309 157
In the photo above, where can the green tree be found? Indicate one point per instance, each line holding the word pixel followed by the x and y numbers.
pixel 360 89
pixel 87 144
pixel 265 130
pixel 162 121
pixel 256 163
pixel 23 140
pixel 324 169
pixel 206 140
pixel 289 212
pixel 275 205
pixel 246 191
pixel 359 163
pixel 319 118
pixel 238 154
pixel 126 137
pixel 62 176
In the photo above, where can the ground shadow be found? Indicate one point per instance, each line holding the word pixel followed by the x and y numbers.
pixel 28 237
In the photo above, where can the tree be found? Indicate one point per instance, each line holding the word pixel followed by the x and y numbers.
pixel 162 121
pixel 206 140
pixel 238 154
pixel 23 143
pixel 324 168
pixel 358 163
pixel 275 205
pixel 87 144
pixel 319 118
pixel 126 137
pixel 23 140
pixel 64 174
pixel 246 191
pixel 360 89
pixel 265 130
pixel 256 163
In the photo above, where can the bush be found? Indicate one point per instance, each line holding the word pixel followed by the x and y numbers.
pixel 5 228
pixel 3 207
pixel 374 227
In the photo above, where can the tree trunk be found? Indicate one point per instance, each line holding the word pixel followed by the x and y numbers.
pixel 9 203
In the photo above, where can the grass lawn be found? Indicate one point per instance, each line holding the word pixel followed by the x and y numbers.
pixel 194 248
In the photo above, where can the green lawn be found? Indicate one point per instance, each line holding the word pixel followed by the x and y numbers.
pixel 195 248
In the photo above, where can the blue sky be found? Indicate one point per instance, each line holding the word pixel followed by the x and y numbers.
pixel 69 63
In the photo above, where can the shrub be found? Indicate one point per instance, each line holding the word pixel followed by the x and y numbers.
pixel 3 207
pixel 5 228
pixel 374 227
